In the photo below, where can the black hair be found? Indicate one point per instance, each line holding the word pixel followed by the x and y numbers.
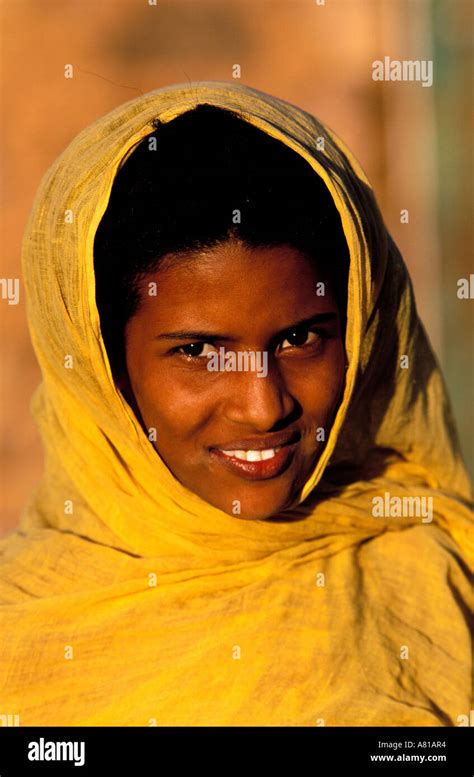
pixel 179 190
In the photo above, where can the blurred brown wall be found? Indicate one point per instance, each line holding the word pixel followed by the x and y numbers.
pixel 413 142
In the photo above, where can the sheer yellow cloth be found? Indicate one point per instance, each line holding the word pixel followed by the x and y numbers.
pixel 127 600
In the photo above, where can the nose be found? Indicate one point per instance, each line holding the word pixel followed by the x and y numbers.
pixel 258 402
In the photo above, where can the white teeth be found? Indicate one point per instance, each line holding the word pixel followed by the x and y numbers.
pixel 269 453
pixel 254 455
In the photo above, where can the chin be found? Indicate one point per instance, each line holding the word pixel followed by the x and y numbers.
pixel 260 512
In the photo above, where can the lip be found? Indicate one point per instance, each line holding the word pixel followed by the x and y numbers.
pixel 259 470
pixel 260 443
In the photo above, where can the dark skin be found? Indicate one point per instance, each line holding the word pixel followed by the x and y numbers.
pixel 194 410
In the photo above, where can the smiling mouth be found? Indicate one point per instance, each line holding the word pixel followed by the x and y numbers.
pixel 260 464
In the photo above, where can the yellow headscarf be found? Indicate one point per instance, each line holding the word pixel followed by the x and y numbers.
pixel 128 600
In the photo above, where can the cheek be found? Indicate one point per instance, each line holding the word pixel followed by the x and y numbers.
pixel 167 398
pixel 324 384
pixel 337 366
pixel 173 404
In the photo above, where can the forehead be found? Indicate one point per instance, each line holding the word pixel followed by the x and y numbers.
pixel 236 275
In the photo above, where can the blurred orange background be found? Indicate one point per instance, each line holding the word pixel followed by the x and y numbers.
pixel 414 143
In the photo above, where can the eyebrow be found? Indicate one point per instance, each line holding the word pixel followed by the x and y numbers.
pixel 319 318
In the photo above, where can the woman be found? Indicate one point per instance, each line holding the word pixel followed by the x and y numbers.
pixel 216 540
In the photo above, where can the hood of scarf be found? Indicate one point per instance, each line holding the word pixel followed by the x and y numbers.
pixel 103 480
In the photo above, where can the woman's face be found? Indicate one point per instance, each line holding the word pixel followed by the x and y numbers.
pixel 271 420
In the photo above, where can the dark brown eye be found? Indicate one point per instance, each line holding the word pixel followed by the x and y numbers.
pixel 194 350
pixel 299 337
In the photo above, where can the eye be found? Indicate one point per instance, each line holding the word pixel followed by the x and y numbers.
pixel 300 338
pixel 194 350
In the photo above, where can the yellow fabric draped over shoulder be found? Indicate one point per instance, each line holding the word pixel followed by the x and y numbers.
pixel 127 600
